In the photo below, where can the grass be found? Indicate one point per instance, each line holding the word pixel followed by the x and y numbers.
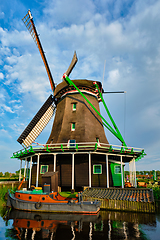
pixel 2 179
pixel 3 201
pixel 68 194
pixel 3 195
pixel 2 204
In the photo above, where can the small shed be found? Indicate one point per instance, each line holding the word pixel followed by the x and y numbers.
pixel 50 178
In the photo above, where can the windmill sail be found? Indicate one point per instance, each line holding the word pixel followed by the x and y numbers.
pixel 28 21
pixel 73 63
pixel 44 115
pixel 38 123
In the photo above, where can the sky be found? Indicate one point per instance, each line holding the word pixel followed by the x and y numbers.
pixel 122 35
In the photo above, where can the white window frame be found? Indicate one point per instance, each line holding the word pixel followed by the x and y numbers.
pixel 119 166
pixel 73 144
pixel 73 126
pixel 74 107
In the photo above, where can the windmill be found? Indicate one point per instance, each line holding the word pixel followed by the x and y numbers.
pixel 78 129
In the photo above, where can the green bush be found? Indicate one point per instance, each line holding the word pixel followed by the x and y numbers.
pixel 156 191
pixel 3 193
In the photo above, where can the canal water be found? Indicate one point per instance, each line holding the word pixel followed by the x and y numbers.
pixel 106 225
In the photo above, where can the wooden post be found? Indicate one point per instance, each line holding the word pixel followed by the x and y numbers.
pixel 25 168
pixel 37 170
pixel 20 170
pixel 122 173
pixel 107 171
pixel 72 170
pixel 29 185
pixel 89 169
pixel 54 162
pixel 135 185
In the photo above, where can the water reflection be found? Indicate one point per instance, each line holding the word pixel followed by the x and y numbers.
pixel 106 225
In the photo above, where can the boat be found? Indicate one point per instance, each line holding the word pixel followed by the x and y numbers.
pixel 32 225
pixel 20 217
pixel 38 201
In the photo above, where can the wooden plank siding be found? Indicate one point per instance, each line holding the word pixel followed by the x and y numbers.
pixel 81 170
pixel 64 168
pixel 99 180
pixel 34 173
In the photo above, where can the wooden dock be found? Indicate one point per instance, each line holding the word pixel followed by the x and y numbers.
pixel 135 199
pixel 127 199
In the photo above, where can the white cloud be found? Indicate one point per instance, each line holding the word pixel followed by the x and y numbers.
pixel 1 75
pixel 124 33
pixel 14 101
pixel 66 13
pixel 7 108
pixel 113 78
pixel 3 131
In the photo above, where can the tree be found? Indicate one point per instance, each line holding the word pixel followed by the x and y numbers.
pixel 7 174
pixel 1 174
pixel 126 173
pixel 22 171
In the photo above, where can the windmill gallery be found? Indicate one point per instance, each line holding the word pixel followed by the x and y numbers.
pixel 77 152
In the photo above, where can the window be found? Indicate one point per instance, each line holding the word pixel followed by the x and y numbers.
pixel 74 106
pixel 72 143
pixel 72 126
pixel 44 169
pixel 117 169
pixel 97 169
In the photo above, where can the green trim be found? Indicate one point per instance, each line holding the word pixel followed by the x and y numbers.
pixel 141 156
pixel 47 149
pixel 117 177
pixel 76 147
pixel 95 146
pixel 97 169
pixel 45 167
pixel 31 149
pixel 62 148
pixel 118 134
pixel 105 123
pixel 111 149
pixel 22 154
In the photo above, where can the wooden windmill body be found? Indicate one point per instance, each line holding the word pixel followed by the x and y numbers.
pixel 77 147
pixel 75 119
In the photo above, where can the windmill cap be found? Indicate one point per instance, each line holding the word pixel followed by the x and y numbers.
pixel 78 83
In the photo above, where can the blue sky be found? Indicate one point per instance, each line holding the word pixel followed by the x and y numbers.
pixel 123 33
